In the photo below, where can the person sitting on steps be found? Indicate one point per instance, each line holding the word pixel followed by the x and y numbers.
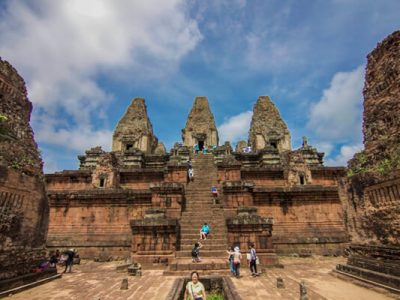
pixel 196 252
pixel 204 231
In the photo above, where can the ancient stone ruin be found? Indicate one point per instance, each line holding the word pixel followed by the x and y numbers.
pixel 137 202
pixel 371 192
pixel 267 128
pixel 24 210
pixel 200 126
pixel 134 130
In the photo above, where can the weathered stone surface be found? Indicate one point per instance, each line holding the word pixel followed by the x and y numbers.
pixel 23 203
pixel 134 130
pixel 382 102
pixel 267 127
pixel 371 193
pixel 200 125
pixel 106 174
pixel 240 146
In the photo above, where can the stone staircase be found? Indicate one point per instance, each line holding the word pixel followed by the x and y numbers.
pixel 200 209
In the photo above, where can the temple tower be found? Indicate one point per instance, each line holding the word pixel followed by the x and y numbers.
pixel 200 126
pixel 267 127
pixel 134 130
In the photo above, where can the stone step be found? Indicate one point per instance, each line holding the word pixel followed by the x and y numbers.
pixel 215 265
pixel 203 253
pixel 186 273
pixel 220 247
pixel 196 236
pixel 208 241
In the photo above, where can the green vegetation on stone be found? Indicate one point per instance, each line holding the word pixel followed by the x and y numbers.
pixel 215 296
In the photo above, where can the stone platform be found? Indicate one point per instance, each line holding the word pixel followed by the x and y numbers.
pixel 92 280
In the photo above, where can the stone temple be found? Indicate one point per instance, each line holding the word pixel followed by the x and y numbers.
pixel 137 202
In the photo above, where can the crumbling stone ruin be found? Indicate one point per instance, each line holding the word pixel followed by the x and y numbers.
pixel 24 210
pixel 267 128
pixel 371 192
pixel 200 126
pixel 134 130
pixel 137 202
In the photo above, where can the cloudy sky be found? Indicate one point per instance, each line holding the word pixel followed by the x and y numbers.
pixel 84 61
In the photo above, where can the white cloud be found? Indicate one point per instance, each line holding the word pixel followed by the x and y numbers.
pixel 346 153
pixel 337 115
pixel 62 47
pixel 235 128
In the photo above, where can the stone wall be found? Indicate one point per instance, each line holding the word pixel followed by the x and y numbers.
pixel 95 222
pixel 23 202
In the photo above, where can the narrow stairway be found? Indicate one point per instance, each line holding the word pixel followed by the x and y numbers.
pixel 200 209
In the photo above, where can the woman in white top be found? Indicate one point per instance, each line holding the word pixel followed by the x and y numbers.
pixel 195 289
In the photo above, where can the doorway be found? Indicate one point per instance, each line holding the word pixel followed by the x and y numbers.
pixel 201 145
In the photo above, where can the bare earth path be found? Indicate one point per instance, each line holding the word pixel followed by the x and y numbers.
pixel 95 281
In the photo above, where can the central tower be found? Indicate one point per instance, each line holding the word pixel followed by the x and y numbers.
pixel 200 126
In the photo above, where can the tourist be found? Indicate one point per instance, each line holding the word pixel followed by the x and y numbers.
pixel 53 259
pixel 214 191
pixel 191 174
pixel 252 260
pixel 205 149
pixel 204 231
pixel 195 289
pixel 69 260
pixel 196 149
pixel 189 163
pixel 237 257
pixel 196 252
pixel 230 259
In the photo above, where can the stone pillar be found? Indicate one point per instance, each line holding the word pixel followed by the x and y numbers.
pixel 154 238
pixel 249 228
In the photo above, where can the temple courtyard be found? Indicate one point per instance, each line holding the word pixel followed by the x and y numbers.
pixel 92 280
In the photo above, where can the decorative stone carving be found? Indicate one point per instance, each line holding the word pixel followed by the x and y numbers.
pixel 240 146
pixel 267 127
pixel 106 174
pixel 297 170
pixel 89 161
pixel 134 130
pixel 200 126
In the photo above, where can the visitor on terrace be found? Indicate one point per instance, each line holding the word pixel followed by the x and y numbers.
pixel 252 260
pixel 196 252
pixel 237 257
pixel 214 191
pixel 191 174
pixel 196 149
pixel 195 289
pixel 69 260
pixel 230 259
pixel 204 231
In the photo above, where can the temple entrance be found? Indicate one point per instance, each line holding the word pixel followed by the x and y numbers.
pixel 201 145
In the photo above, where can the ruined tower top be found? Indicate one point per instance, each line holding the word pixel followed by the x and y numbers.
pixel 17 145
pixel 382 100
pixel 134 130
pixel 200 126
pixel 267 127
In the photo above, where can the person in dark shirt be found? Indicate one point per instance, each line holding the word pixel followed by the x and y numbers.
pixel 70 260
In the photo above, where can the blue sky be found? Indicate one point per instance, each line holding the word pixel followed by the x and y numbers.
pixel 84 61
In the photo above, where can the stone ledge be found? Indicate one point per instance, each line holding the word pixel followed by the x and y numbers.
pixel 20 283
